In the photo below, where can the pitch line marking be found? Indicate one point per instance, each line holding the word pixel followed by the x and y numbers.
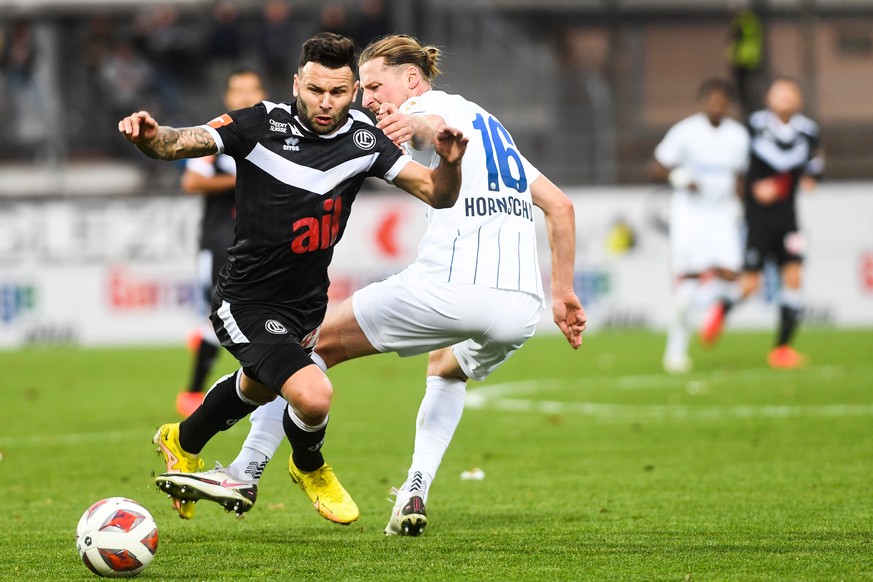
pixel 508 397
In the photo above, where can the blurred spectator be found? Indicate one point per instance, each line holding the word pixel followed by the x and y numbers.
pixel 745 55
pixel 225 36
pixel 126 78
pixel 335 18
pixel 278 40
pixel 170 47
pixel 18 62
pixel 372 21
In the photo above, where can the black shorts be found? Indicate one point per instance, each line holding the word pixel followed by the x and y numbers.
pixel 765 242
pixel 264 341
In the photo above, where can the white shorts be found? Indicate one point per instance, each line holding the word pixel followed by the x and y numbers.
pixel 411 316
pixel 704 236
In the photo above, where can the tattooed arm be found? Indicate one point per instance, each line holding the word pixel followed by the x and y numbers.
pixel 163 142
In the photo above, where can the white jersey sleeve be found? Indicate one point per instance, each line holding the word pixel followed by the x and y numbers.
pixel 488 238
pixel 712 155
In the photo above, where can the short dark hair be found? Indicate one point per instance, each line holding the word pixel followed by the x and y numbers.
pixel 331 50
pixel 243 70
pixel 715 85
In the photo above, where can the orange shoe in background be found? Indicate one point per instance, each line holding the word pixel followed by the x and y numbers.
pixel 188 402
pixel 193 341
pixel 712 325
pixel 785 357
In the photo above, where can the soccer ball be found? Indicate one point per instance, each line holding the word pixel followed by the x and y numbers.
pixel 117 537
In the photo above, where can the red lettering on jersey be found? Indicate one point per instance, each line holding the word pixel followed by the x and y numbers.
pixel 307 240
pixel 318 234
pixel 335 220
pixel 220 121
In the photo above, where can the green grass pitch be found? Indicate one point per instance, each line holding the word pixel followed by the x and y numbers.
pixel 597 467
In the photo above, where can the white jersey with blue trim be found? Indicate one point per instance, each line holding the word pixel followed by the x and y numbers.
pixel 488 237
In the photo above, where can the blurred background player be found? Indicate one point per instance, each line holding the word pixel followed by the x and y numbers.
pixel 471 299
pixel 785 154
pixel 214 177
pixel 704 156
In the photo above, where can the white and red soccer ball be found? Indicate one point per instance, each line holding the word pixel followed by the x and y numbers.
pixel 117 537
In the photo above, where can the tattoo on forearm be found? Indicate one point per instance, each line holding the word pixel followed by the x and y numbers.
pixel 172 143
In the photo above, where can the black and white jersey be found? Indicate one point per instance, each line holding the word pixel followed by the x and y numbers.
pixel 219 208
pixel 294 193
pixel 783 152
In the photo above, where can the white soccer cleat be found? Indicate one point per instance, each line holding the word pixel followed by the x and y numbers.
pixel 215 485
pixel 409 516
pixel 677 364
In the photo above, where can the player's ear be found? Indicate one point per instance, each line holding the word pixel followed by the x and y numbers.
pixel 296 90
pixel 412 77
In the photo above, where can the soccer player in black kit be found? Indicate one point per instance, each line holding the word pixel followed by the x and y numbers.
pixel 214 178
pixel 785 155
pixel 299 167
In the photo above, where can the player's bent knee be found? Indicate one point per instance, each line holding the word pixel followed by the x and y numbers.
pixel 310 393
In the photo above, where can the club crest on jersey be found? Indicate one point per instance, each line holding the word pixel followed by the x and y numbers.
pixel 365 139
pixel 291 144
pixel 275 327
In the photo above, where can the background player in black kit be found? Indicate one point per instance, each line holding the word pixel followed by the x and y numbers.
pixel 785 154
pixel 214 178
pixel 299 167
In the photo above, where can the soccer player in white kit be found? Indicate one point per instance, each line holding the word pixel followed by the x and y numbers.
pixel 704 156
pixel 474 294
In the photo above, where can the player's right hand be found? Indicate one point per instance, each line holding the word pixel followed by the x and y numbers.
pixel 765 191
pixel 138 127
pixel 569 315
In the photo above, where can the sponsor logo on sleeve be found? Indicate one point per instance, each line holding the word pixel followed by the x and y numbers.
pixel 220 121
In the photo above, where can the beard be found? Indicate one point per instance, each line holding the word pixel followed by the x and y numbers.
pixel 339 117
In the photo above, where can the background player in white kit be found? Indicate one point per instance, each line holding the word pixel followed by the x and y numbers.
pixel 704 156
pixel 471 298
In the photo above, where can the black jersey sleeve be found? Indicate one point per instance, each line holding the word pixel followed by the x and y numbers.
pixel 239 129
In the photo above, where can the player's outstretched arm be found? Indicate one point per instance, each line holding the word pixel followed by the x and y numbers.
pixel 418 130
pixel 438 187
pixel 163 142
pixel 560 216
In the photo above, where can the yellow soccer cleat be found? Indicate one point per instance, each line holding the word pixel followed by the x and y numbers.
pixel 328 496
pixel 167 440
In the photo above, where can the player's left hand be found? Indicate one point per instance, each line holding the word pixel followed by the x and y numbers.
pixel 450 144
pixel 808 183
pixel 570 317
pixel 397 126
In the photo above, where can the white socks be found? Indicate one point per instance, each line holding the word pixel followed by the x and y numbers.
pixel 678 332
pixel 438 417
pixel 265 436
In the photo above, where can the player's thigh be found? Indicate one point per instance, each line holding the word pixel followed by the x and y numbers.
pixel 759 245
pixel 410 316
pixel 515 317
pixel 262 341
pixel 723 243
pixel 341 337
pixel 687 253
